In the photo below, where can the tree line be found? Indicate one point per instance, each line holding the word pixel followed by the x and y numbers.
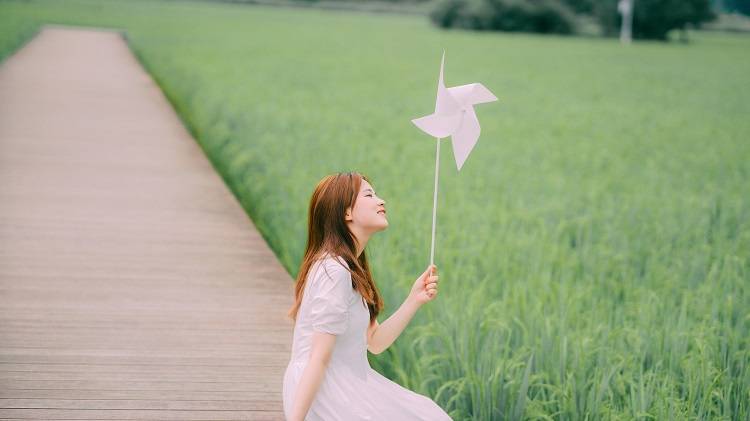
pixel 651 19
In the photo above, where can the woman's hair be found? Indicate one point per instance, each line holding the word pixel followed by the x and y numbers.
pixel 327 232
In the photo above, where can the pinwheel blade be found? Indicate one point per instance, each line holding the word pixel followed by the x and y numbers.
pixel 445 104
pixel 473 93
pixel 438 126
pixel 465 137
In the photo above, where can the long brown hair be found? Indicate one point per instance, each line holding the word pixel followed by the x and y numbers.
pixel 327 232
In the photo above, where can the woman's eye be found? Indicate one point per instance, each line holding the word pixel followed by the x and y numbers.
pixel 368 195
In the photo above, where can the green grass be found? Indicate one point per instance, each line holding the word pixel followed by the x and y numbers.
pixel 594 250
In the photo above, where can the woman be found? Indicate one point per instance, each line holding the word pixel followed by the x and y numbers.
pixel 336 304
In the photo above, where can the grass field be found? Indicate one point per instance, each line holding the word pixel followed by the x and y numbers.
pixel 594 250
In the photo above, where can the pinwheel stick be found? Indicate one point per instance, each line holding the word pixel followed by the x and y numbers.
pixel 434 201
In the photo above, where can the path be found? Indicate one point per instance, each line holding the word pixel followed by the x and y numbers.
pixel 132 283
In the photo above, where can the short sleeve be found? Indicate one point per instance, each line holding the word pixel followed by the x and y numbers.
pixel 329 305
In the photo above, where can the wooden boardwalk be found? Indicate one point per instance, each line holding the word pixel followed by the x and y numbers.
pixel 132 283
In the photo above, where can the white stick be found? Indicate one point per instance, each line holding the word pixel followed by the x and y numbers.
pixel 434 201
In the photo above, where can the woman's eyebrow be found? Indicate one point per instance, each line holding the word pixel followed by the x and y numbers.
pixel 368 189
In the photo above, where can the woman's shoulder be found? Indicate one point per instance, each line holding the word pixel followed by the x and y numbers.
pixel 331 272
pixel 330 268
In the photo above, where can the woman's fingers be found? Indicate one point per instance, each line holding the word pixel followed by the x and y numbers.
pixel 430 281
pixel 431 287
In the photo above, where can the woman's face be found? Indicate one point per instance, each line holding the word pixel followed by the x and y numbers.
pixel 368 214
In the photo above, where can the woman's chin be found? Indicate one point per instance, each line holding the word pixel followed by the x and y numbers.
pixel 380 226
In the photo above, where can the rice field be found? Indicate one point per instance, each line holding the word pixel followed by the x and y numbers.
pixel 594 250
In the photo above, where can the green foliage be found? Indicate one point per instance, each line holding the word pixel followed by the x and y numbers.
pixel 739 6
pixel 581 6
pixel 594 250
pixel 542 16
pixel 653 19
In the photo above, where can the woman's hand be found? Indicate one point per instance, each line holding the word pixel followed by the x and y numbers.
pixel 425 287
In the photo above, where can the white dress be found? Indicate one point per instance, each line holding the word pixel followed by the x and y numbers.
pixel 350 390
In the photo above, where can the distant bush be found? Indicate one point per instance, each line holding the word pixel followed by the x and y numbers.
pixel 653 19
pixel 581 6
pixel 543 16
pixel 736 6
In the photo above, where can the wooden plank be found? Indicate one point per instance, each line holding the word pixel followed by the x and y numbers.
pixel 165 415
pixel 130 359
pixel 177 395
pixel 125 404
pixel 143 385
pixel 118 366
pixel 166 374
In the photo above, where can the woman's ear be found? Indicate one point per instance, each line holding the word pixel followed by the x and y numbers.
pixel 348 215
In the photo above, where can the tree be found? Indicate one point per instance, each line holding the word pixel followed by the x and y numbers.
pixel 739 6
pixel 585 7
pixel 542 16
pixel 653 19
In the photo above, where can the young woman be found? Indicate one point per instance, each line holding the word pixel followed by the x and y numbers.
pixel 336 304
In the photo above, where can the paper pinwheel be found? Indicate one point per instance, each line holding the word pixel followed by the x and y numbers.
pixel 454 116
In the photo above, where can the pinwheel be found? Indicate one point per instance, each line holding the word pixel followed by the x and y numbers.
pixel 454 116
